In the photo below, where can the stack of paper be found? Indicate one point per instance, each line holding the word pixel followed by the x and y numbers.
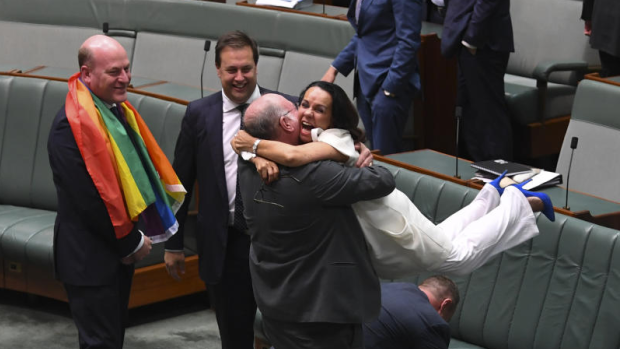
pixel 296 4
pixel 543 179
pixel 516 173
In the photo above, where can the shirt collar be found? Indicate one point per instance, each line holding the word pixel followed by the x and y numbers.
pixel 228 105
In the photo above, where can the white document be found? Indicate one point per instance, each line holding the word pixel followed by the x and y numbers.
pixel 540 179
pixel 285 3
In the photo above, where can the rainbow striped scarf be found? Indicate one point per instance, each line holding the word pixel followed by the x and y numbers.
pixel 131 180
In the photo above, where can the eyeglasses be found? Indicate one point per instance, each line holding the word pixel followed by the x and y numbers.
pixel 288 112
pixel 263 188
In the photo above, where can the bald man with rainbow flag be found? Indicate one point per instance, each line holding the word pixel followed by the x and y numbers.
pixel 117 193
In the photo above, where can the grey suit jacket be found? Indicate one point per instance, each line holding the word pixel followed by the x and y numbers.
pixel 308 257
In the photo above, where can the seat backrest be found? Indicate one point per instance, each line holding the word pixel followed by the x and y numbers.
pixel 29 45
pixel 27 109
pixel 558 290
pixel 548 30
pixel 169 38
pixel 300 69
pixel 595 122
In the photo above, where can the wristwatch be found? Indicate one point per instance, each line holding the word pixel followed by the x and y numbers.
pixel 255 146
pixel 389 94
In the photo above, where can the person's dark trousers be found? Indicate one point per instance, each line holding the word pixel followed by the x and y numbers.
pixel 233 298
pixel 313 335
pixel 384 119
pixel 485 126
pixel 610 64
pixel 100 312
pixel 435 14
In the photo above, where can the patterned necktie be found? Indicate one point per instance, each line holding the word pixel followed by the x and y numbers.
pixel 239 222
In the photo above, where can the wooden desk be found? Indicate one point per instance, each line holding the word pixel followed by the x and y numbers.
pixel 583 206
pixel 333 12
pixel 432 163
pixel 434 109
pixel 612 80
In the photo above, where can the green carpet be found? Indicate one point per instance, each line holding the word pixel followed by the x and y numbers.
pixel 37 322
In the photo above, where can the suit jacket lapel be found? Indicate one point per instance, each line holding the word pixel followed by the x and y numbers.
pixel 364 11
pixel 214 119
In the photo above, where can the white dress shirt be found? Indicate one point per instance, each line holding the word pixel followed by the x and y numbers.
pixel 230 125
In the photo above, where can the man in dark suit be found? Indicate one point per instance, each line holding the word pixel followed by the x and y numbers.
pixel 384 53
pixel 602 19
pixel 313 279
pixel 479 33
pixel 413 316
pixel 203 154
pixel 93 260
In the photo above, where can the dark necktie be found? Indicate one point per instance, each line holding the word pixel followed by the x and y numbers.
pixel 239 222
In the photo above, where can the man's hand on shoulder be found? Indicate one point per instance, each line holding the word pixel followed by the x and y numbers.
pixel 175 263
pixel 330 74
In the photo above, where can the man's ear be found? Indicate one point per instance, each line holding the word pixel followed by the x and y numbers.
pixel 217 70
pixel 285 124
pixel 443 308
pixel 85 74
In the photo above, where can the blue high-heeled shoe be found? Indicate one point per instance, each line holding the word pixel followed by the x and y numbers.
pixel 547 204
pixel 496 181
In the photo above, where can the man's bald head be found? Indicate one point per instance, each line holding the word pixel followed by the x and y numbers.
pixel 96 43
pixel 272 117
pixel 104 68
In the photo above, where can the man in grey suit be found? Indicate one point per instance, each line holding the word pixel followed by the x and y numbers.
pixel 313 280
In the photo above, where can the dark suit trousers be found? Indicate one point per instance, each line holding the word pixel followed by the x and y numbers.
pixel 384 119
pixel 100 312
pixel 233 297
pixel 313 335
pixel 610 64
pixel 486 128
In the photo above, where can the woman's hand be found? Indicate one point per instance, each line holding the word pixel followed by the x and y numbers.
pixel 365 158
pixel 242 141
pixel 267 169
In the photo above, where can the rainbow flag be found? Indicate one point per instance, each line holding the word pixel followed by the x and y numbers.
pixel 132 178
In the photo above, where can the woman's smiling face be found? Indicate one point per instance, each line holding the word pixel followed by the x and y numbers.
pixel 315 110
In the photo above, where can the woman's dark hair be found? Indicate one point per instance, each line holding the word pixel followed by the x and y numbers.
pixel 344 114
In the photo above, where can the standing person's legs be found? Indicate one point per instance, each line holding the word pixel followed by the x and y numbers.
pixel 510 224
pixel 486 125
pixel 389 116
pixel 610 64
pixel 233 297
pixel 100 312
pixel 487 199
pixel 363 109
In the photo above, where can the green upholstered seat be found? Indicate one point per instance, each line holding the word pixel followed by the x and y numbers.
pixel 595 121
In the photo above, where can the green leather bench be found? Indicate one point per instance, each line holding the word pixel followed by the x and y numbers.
pixel 558 290
pixel 164 40
pixel 28 196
